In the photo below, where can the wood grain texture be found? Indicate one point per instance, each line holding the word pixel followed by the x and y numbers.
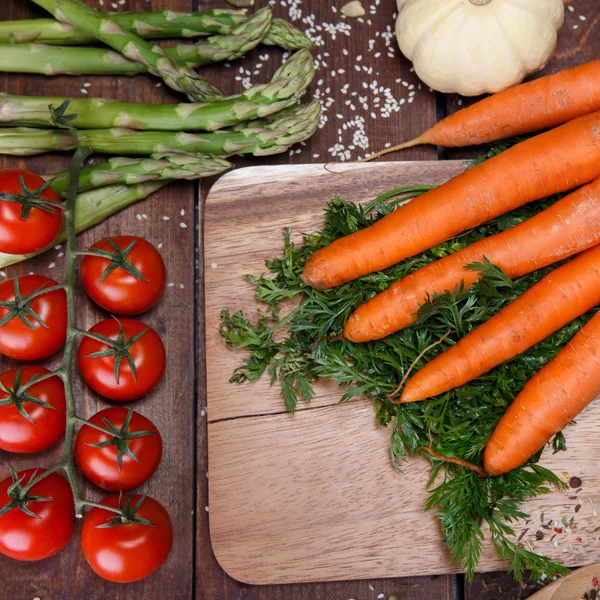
pixel 171 405
pixel 314 496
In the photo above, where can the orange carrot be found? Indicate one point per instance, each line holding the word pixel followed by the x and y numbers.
pixel 555 161
pixel 563 295
pixel 550 400
pixel 568 227
pixel 540 104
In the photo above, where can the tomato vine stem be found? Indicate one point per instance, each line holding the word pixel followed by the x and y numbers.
pixel 65 370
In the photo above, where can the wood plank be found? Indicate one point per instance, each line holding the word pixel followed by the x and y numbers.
pixel 170 406
pixel 291 498
pixel 577 43
pixel 212 582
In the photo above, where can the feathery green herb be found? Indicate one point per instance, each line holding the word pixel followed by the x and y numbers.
pixel 459 422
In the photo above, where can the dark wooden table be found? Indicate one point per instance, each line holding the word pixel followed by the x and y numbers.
pixel 371 98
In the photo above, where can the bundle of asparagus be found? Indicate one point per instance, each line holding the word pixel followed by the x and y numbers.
pixel 152 26
pixel 52 53
pixel 285 88
pixel 271 135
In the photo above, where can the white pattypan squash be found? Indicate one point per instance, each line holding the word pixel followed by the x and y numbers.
pixel 473 47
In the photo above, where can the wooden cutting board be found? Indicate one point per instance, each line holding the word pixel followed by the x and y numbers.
pixel 313 497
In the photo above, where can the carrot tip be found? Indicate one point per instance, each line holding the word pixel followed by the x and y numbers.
pixel 416 142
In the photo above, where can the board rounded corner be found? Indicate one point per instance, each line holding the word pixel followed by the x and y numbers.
pixel 223 562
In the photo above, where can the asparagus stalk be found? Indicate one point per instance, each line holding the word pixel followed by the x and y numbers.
pixel 159 25
pixel 88 19
pixel 92 208
pixel 64 60
pixel 132 171
pixel 224 47
pixel 288 84
pixel 271 135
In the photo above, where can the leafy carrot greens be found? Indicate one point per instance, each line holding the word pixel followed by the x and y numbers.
pixel 309 347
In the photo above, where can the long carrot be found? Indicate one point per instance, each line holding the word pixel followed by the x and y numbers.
pixel 550 400
pixel 568 227
pixel 555 161
pixel 563 295
pixel 540 104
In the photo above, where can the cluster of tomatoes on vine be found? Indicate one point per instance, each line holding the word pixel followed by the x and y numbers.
pixel 120 358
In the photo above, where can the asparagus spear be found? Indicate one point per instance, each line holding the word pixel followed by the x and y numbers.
pixel 65 60
pixel 163 25
pixel 284 34
pixel 88 19
pixel 288 84
pixel 93 207
pixel 131 171
pixel 224 47
pixel 271 135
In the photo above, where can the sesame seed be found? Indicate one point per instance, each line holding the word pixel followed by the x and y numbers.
pixel 183 225
pixel 213 265
pixel 165 218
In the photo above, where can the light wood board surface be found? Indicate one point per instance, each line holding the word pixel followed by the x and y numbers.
pixel 313 497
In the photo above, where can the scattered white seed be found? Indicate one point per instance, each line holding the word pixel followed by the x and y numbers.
pixel 51 265
pixel 165 218
pixel 181 286
pixel 206 508
pixel 183 225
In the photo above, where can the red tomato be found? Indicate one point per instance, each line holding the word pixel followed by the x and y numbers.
pixel 39 228
pixel 25 537
pixel 128 551
pixel 35 418
pixel 147 353
pixel 112 467
pixel 19 341
pixel 129 279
